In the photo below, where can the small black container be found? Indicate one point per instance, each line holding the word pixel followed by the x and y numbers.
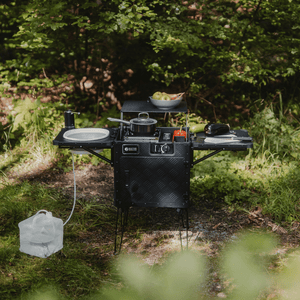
pixel 216 129
pixel 69 120
pixel 179 138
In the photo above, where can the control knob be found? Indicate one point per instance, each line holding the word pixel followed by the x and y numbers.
pixel 165 148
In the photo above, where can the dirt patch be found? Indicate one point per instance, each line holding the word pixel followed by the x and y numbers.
pixel 6 107
pixel 92 182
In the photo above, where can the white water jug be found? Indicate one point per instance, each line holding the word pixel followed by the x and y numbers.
pixel 41 235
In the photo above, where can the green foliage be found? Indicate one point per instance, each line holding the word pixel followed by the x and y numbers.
pixel 18 202
pixel 172 281
pixel 206 48
pixel 46 292
pixel 192 119
pixel 112 113
pixel 272 184
pixel 34 120
pixel 219 178
pixel 85 120
pixel 245 263
pixel 37 84
pixel 283 195
pixel 272 133
pixel 288 279
pixel 5 136
pixel 26 117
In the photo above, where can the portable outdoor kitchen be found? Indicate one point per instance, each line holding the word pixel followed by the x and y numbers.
pixel 151 169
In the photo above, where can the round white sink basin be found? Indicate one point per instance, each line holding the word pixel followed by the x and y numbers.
pixel 86 134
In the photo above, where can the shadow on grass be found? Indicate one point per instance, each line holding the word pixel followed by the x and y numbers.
pixel 77 269
pixel 4 167
pixel 75 274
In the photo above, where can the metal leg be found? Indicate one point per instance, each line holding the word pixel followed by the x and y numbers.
pixel 187 228
pixel 124 221
pixel 116 231
pixel 180 218
pixel 179 226
pixel 122 230
pixel 126 212
pixel 124 216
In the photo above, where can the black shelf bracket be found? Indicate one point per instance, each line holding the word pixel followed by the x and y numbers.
pixel 206 157
pixel 98 155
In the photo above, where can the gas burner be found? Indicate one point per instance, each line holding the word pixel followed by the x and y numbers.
pixel 130 136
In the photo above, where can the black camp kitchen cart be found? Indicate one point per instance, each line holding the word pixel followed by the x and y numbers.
pixel 153 169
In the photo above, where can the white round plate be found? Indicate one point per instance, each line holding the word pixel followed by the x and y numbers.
pixel 86 134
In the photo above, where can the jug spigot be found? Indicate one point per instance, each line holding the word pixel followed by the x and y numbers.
pixel 69 119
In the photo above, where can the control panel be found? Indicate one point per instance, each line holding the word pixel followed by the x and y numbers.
pixel 162 148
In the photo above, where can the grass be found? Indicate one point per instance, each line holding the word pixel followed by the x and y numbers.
pixel 76 270
pixel 263 181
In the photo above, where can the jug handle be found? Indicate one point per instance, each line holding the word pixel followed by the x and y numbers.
pixel 42 210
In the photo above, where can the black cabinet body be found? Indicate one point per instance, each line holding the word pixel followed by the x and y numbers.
pixel 152 174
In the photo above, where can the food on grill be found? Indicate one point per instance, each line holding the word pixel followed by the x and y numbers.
pixel 197 128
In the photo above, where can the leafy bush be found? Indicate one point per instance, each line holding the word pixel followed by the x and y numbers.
pixel 208 49
pixel 283 191
pixel 179 278
pixel 34 120
pixel 220 178
pixel 272 184
pixel 274 135
pixel 245 263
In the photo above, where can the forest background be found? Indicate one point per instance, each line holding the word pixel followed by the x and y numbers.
pixel 238 62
